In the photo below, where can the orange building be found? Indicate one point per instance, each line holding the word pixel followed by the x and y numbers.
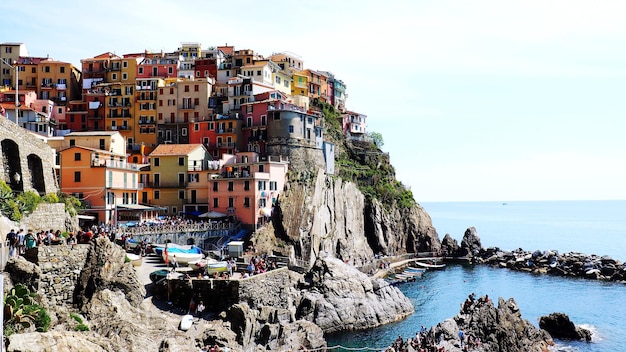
pixel 105 181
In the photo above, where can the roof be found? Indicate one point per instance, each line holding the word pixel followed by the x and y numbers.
pixel 174 149
pixel 92 133
pixel 101 151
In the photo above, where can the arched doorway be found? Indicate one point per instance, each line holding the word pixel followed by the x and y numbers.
pixel 12 165
pixel 36 173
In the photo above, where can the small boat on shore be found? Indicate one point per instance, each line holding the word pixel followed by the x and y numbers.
pixel 430 266
pixel 183 256
pixel 186 321
pixel 135 259
pixel 196 265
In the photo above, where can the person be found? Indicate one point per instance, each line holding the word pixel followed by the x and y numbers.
pixel 200 308
pixel 11 242
pixel 461 336
pixel 21 245
pixel 71 240
pixel 193 309
pixel 30 240
pixel 174 263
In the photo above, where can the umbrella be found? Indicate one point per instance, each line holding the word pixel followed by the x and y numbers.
pixel 212 215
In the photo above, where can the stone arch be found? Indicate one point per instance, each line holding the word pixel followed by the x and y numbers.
pixel 35 166
pixel 12 165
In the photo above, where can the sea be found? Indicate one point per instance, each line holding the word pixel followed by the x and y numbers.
pixel 590 227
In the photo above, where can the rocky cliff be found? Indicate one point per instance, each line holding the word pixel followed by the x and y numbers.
pixel 320 215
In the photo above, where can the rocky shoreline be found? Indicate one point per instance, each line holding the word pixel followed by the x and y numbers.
pixel 551 262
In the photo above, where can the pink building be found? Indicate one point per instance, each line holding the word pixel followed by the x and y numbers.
pixel 247 187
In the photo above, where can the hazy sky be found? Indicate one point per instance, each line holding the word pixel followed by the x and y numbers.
pixel 476 100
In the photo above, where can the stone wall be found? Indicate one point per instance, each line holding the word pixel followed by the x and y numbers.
pixel 31 155
pixel 269 288
pixel 49 216
pixel 60 268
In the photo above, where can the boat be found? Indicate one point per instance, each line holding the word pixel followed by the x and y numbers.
pixel 158 247
pixel 430 266
pixel 159 275
pixel 196 265
pixel 186 321
pixel 410 268
pixel 135 259
pixel 217 267
pixel 183 256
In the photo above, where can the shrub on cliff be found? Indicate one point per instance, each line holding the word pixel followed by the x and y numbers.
pixel 15 206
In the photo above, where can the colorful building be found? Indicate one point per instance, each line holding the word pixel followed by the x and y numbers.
pixel 247 187
pixel 354 125
pixel 84 172
pixel 167 177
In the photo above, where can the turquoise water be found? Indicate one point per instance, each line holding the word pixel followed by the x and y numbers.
pixel 588 227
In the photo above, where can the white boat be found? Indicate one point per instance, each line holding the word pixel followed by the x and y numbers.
pixel 410 268
pixel 186 321
pixel 183 257
pixel 196 265
pixel 430 266
pixel 135 259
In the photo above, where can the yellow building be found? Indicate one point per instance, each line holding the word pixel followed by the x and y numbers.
pixel 172 168
pixel 300 89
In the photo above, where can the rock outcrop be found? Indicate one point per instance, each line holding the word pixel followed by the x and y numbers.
pixel 559 326
pixel 318 215
pixel 338 297
pixel 105 268
pixel 485 328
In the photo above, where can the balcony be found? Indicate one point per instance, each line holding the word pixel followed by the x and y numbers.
pixel 226 144
pixel 118 128
pixel 187 107
pixel 147 122
pixel 225 130
pixel 165 184
pixel 116 164
pixel 61 86
pixel 47 85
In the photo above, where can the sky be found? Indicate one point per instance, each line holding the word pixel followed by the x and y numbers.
pixel 476 100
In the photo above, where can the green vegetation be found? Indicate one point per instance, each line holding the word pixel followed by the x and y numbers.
pixel 363 163
pixel 80 326
pixel 15 207
pixel 21 312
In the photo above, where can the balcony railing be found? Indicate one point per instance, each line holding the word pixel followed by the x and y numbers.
pixel 166 184
pixel 117 164
pixel 226 144
pixel 225 130
pixel 119 128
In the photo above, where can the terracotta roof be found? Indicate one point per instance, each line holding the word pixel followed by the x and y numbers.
pixel 174 149
pixel 99 151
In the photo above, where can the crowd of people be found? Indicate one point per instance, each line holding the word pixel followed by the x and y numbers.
pixel 20 241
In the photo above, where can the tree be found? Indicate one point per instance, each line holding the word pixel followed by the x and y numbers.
pixel 377 138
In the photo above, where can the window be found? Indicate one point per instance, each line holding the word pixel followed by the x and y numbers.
pixel 140 71
pixel 157 194
pixel 246 185
pixel 196 127
pixel 76 156
pixel 231 202
pixel 216 203
pixel 186 88
pixel 183 131
pixel 196 88
pixel 174 210
pixel 261 185
pixel 181 194
pixel 125 76
pixel 62 69
pixel 258 72
pixel 215 188
pixel 246 202
pixel 170 70
pixel 46 69
pixel 211 126
pixel 125 64
pixel 72 142
pixel 262 202
pixel 273 185
pixel 76 176
pixel 290 128
pixel 157 162
pixel 231 186
pixel 181 161
pixel 261 168
pixel 114 76
pixel 263 120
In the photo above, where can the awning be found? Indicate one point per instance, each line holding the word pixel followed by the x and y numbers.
pixel 136 207
pixel 85 217
pixel 213 215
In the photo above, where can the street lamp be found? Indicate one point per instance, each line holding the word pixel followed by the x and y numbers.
pixel 17 100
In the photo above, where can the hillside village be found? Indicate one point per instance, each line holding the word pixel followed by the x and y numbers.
pixel 189 132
